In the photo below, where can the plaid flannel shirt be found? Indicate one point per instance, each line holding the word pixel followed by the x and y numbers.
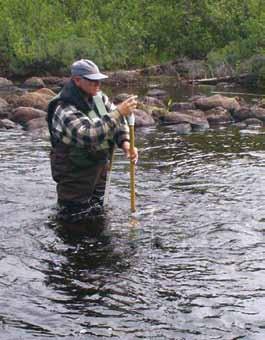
pixel 73 127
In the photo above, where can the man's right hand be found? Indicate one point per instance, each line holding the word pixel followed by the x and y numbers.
pixel 127 106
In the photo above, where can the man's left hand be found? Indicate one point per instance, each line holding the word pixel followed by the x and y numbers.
pixel 132 156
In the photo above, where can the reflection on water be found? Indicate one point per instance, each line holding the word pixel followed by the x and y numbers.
pixel 189 265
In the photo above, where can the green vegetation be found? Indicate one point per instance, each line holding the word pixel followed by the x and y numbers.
pixel 47 35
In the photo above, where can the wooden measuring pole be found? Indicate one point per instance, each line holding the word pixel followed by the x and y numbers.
pixel 131 122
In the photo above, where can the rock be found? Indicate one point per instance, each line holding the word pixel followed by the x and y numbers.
pixel 195 118
pixel 152 101
pixel 208 103
pixel 142 118
pixel 253 121
pixel 4 108
pixel 157 93
pixel 33 99
pixel 242 114
pixel 36 123
pixel 22 114
pixel 47 92
pixel 5 82
pixel 182 106
pixel 258 112
pixel 182 128
pixel 218 115
pixel 191 69
pixel 34 82
pixel 8 124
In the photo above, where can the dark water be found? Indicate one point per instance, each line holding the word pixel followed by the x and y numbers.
pixel 189 265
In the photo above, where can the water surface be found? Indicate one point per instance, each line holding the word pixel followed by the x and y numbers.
pixel 189 265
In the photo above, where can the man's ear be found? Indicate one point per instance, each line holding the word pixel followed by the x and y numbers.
pixel 76 80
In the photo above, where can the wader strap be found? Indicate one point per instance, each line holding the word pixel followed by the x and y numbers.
pixel 100 105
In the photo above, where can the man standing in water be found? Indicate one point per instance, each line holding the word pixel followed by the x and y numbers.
pixel 84 128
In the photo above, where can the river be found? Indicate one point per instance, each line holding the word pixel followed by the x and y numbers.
pixel 190 264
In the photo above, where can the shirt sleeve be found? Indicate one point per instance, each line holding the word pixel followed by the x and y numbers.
pixel 121 133
pixel 74 127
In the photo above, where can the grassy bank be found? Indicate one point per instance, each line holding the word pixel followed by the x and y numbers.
pixel 43 36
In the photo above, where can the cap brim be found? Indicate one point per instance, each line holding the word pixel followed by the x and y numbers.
pixel 95 76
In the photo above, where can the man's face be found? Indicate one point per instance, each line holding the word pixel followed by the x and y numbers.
pixel 90 87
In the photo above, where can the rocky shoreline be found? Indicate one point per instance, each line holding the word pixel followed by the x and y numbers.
pixel 26 106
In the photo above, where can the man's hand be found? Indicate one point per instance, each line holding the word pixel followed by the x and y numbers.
pixel 127 106
pixel 126 148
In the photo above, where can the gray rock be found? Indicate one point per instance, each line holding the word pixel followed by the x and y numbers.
pixel 218 115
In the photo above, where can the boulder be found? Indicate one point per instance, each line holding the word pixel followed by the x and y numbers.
pixel 8 124
pixel 34 82
pixel 5 82
pixel 242 114
pixel 218 115
pixel 36 123
pixel 33 99
pixel 182 106
pixel 22 114
pixel 152 101
pixel 195 118
pixel 142 118
pixel 208 103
